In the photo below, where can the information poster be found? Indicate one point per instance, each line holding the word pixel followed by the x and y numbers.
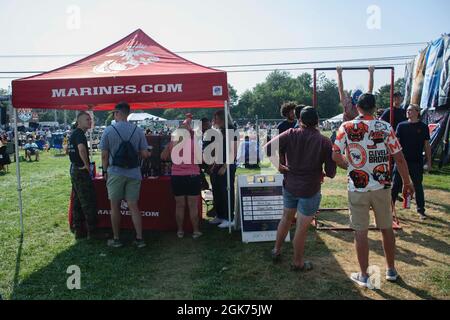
pixel 261 207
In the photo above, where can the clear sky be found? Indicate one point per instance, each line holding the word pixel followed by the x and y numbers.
pixel 50 27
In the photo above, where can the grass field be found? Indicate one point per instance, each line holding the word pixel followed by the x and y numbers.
pixel 216 266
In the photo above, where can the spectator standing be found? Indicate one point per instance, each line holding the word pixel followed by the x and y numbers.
pixel 84 201
pixel 399 113
pixel 185 176
pixel 287 111
pixel 123 177
pixel 414 138
pixel 367 143
pixel 219 176
pixel 304 155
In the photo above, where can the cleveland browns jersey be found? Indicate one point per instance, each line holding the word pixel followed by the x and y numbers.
pixel 367 143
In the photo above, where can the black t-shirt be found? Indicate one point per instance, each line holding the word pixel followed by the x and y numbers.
pixel 285 125
pixel 399 116
pixel 412 137
pixel 224 145
pixel 77 137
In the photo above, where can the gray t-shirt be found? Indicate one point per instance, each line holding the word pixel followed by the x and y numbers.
pixel 111 141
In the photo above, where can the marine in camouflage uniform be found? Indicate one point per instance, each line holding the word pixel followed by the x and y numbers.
pixel 84 201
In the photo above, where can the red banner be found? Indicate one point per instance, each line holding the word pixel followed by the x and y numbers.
pixel 156 202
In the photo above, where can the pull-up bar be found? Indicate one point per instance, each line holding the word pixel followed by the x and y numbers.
pixel 396 224
pixel 391 120
pixel 353 68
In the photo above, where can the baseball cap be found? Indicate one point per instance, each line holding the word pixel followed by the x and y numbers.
pixel 355 96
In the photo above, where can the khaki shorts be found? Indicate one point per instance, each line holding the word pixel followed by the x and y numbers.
pixel 123 188
pixel 360 203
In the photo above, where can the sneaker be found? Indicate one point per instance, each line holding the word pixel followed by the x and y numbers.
pixel 139 243
pixel 115 243
pixel 423 216
pixel 180 234
pixel 359 279
pixel 226 224
pixel 216 221
pixel 391 275
pixel 307 266
pixel 196 235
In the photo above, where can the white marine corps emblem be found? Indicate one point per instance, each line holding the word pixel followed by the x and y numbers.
pixel 127 59
pixel 124 205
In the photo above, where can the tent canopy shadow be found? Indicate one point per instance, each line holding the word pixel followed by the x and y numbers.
pixel 216 266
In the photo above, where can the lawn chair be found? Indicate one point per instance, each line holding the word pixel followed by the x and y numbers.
pixel 207 199
pixel 5 153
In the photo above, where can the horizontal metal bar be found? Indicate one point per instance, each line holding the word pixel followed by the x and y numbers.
pixel 353 68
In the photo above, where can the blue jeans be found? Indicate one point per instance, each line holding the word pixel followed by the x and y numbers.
pixel 306 206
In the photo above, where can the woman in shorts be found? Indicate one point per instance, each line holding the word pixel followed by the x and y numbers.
pixel 185 177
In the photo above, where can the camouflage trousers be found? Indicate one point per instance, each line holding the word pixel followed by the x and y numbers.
pixel 84 201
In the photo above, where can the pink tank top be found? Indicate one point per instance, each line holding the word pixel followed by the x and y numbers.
pixel 186 169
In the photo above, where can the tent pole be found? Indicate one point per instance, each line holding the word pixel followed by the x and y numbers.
pixel 227 150
pixel 19 185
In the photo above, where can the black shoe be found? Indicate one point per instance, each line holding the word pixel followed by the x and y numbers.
pixel 307 266
pixel 80 234
pixel 423 216
pixel 399 198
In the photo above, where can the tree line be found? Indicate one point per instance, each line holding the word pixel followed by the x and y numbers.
pixel 264 100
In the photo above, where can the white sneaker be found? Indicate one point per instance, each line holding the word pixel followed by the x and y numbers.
pixel 216 221
pixel 359 279
pixel 226 224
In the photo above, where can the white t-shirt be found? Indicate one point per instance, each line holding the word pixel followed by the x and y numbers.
pixel 367 143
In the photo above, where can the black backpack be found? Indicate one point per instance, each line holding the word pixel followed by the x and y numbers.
pixel 126 156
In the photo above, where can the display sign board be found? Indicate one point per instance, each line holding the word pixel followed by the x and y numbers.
pixel 260 207
pixel 24 114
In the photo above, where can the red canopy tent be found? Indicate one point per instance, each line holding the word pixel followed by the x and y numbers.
pixel 135 69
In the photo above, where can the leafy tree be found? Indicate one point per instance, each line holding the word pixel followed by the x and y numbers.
pixel 327 98
pixel 383 95
pixel 266 98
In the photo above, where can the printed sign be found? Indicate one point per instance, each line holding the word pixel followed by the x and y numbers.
pixel 24 114
pixel 261 207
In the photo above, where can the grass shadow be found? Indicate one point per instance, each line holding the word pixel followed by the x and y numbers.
pixel 403 254
pixel 18 259
pixel 422 294
pixel 216 266
pixel 246 271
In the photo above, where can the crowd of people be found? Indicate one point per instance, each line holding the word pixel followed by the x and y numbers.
pixel 362 146
pixel 365 145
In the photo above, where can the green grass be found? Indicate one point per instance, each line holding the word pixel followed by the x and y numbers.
pixel 216 266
